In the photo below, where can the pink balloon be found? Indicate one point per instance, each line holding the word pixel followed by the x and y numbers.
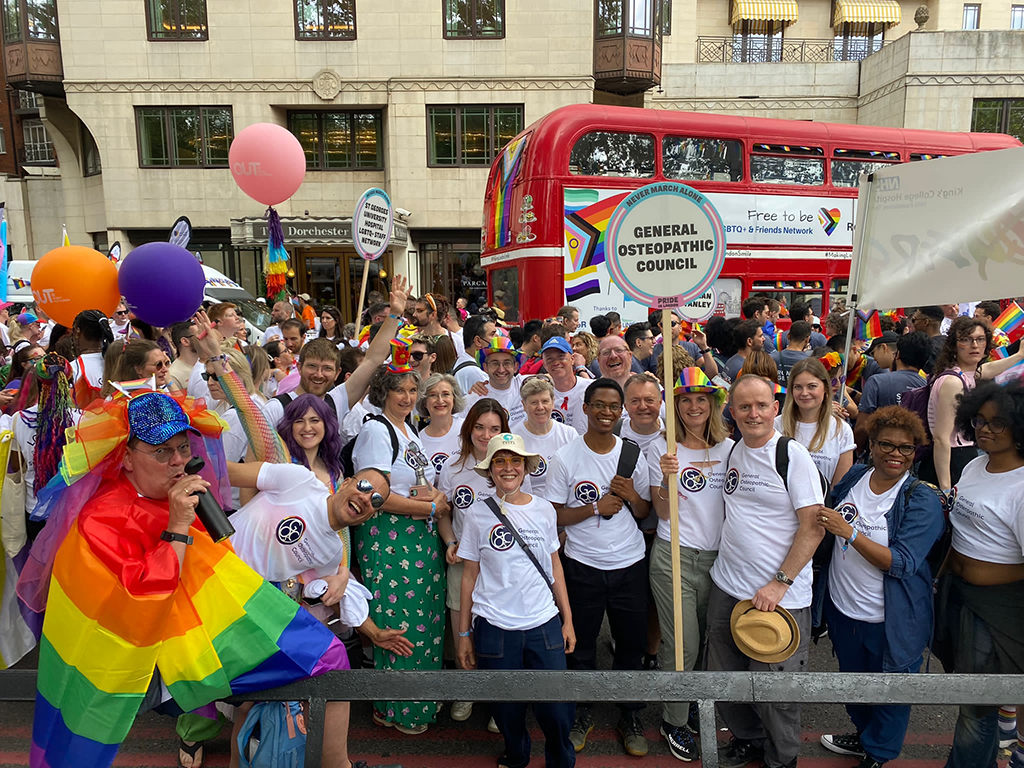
pixel 267 163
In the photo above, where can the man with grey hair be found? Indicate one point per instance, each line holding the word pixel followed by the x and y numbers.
pixel 569 316
pixel 768 538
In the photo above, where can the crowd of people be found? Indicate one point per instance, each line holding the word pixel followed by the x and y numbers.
pixel 439 490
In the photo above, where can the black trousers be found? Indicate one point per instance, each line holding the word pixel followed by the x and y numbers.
pixel 622 594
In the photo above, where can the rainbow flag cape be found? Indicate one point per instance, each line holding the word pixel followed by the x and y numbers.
pixel 779 345
pixel 999 353
pixel 1011 321
pixel 868 325
pixel 120 608
pixel 778 389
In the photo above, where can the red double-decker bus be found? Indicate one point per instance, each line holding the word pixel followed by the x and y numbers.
pixel 785 189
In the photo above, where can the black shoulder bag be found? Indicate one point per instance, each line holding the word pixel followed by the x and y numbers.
pixel 503 519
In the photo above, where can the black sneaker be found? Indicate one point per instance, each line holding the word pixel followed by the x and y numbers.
pixel 693 718
pixel 581 728
pixel 738 753
pixel 869 762
pixel 843 744
pixel 680 742
pixel 651 663
pixel 632 732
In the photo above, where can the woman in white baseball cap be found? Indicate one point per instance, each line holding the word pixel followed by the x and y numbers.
pixel 513 591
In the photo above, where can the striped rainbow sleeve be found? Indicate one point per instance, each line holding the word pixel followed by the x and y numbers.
pixel 264 440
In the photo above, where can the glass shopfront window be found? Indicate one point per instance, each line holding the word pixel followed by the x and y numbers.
pixel 453 270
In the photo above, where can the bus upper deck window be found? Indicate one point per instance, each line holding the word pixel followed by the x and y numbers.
pixel 918 156
pixel 701 159
pixel 604 153
pixel 787 164
pixel 849 164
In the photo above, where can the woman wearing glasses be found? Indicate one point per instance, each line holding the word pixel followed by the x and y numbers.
pixel 512 598
pixel 957 370
pixel 980 601
pixel 875 587
pixel 439 407
pixel 331 325
pixel 398 549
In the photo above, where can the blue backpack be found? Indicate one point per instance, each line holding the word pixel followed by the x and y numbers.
pixel 273 736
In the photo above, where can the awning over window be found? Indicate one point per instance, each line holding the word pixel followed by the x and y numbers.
pixel 764 10
pixel 867 12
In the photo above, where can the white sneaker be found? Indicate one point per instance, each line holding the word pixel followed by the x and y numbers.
pixel 461 710
pixel 492 726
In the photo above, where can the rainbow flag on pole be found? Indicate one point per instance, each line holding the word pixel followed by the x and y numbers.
pixel 869 325
pixel 116 612
pixel 1011 321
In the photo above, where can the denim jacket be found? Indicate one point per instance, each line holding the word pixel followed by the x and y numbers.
pixel 914 526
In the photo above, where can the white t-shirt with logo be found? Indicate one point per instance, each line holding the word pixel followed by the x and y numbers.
pixel 578 477
pixel 701 497
pixel 440 449
pixel 761 521
pixel 547 446
pixel 839 441
pixel 373 449
pixel 569 403
pixel 855 584
pixel 463 486
pixel 988 514
pixel 285 531
pixel 509 399
pixel 509 592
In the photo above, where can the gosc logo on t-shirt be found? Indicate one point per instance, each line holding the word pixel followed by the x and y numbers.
pixel 732 480
pixel 463 497
pixel 542 467
pixel 586 492
pixel 848 511
pixel 438 460
pixel 290 530
pixel 692 480
pixel 500 538
pixel 558 416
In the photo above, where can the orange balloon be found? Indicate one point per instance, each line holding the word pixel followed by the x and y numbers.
pixel 72 279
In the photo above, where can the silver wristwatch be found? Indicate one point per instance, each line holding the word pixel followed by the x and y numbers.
pixel 781 576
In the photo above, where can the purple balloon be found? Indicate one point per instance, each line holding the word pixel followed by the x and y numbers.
pixel 162 283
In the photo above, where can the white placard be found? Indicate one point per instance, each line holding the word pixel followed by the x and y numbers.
pixel 701 308
pixel 372 224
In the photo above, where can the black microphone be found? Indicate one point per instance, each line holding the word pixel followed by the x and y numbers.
pixel 208 510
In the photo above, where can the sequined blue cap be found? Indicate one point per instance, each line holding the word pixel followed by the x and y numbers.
pixel 155 418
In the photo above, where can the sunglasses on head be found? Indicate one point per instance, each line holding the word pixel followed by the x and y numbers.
pixel 365 486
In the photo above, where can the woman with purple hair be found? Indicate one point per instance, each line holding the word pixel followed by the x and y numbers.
pixel 310 431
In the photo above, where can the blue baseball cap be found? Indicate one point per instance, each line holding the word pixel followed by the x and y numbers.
pixel 155 418
pixel 557 342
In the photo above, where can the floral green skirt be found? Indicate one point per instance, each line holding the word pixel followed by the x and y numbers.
pixel 403 568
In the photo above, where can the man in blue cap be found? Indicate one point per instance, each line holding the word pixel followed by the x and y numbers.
pixel 558 362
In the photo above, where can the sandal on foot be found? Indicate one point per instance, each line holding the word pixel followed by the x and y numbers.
pixel 191 750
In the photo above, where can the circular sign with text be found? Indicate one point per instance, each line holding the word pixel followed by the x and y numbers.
pixel 372 224
pixel 665 245
pixel 701 308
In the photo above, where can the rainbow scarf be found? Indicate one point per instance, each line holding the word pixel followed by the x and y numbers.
pixel 853 376
pixel 118 608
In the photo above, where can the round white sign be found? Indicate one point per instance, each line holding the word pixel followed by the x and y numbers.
pixel 665 245
pixel 701 308
pixel 372 224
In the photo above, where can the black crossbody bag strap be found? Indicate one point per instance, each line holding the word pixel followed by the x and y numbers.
pixel 496 511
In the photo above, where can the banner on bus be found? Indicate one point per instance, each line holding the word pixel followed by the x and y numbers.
pixel 789 220
pixel 943 231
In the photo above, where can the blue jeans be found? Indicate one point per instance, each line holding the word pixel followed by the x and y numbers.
pixel 860 647
pixel 976 738
pixel 538 648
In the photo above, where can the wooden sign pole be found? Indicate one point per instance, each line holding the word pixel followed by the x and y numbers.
pixel 673 486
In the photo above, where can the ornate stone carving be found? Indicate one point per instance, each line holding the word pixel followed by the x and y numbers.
pixel 327 84
pixel 921 16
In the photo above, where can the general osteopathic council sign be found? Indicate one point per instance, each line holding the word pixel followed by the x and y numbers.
pixel 666 244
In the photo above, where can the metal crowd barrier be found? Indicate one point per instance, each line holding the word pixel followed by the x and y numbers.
pixel 706 688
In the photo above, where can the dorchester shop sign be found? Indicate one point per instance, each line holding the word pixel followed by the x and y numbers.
pixel 305 231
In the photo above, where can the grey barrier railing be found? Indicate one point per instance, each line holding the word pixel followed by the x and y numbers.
pixel 706 688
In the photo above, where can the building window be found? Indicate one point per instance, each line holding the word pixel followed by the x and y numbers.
pixel 325 19
pixel 12 21
pixel 972 16
pixel 757 41
pixel 854 42
pixel 183 137
pixel 999 116
pixel 666 17
pixel 38 147
pixel 470 136
pixel 3 141
pixel 29 100
pixel 474 19
pixel 339 141
pixel 1017 17
pixel 90 154
pixel 176 19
